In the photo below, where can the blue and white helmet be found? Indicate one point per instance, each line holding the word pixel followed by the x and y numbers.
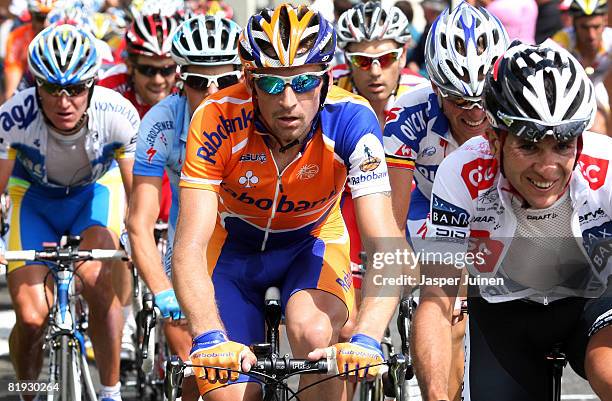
pixel 64 55
pixel 206 40
pixel 462 46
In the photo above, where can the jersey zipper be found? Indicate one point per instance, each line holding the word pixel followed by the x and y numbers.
pixel 279 188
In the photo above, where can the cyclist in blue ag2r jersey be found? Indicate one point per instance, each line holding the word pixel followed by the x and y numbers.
pixel 205 48
pixel 61 140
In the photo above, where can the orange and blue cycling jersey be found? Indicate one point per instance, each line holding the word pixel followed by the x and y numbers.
pixel 261 207
pixel 281 228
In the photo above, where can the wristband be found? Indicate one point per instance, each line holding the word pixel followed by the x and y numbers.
pixel 210 338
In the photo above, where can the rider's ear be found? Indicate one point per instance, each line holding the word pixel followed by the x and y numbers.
pixel 494 141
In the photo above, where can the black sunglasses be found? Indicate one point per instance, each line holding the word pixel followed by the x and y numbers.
pixel 151 71
pixel 201 82
pixel 534 130
pixel 70 91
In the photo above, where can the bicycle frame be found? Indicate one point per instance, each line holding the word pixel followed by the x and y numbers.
pixel 64 339
pixel 63 322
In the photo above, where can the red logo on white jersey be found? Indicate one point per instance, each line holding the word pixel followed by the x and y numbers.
pixel 594 170
pixel 404 151
pixel 479 174
pixel 485 251
pixel 393 114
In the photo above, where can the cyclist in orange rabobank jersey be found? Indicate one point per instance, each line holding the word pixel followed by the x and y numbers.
pixel 265 165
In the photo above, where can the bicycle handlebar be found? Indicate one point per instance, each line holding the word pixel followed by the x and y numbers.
pixel 63 255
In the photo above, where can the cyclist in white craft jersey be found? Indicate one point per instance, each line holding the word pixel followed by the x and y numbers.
pixel 205 48
pixel 532 202
pixel 496 200
pixel 60 143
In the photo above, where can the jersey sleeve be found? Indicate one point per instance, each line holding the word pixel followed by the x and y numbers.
pixel 363 154
pixel 126 125
pixel 154 142
pixel 451 209
pixel 16 115
pixel 405 127
pixel 208 150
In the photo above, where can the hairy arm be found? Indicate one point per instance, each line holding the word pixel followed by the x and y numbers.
pixel 125 167
pixel 144 209
pixel 192 283
pixel 6 168
pixel 431 334
pixel 379 235
pixel 401 185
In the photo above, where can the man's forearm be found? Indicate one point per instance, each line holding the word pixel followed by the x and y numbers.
pixel 148 260
pixel 194 288
pixel 432 348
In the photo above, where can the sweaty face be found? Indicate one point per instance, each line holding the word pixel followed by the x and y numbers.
pixel 464 123
pixel 539 171
pixel 376 84
pixel 589 31
pixel 288 114
pixel 63 111
pixel 154 88
pixel 195 97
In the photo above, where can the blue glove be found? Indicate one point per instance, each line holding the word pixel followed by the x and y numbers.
pixel 361 352
pixel 168 305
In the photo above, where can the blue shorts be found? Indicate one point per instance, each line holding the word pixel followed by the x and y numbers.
pixel 40 215
pixel 241 280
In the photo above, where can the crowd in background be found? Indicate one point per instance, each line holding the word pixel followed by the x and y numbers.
pixel 531 21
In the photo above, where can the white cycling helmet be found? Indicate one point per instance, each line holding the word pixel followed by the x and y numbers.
pixel 535 91
pixel 372 21
pixel 461 47
pixel 206 40
pixel 64 55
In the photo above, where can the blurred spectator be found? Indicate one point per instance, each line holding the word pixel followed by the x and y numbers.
pixel 518 17
pixel 406 8
pixel 431 10
pixel 549 20
pixel 16 61
pixel 566 17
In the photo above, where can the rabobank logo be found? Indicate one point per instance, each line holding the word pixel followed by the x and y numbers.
pixel 211 141
pixel 372 176
pixel 283 204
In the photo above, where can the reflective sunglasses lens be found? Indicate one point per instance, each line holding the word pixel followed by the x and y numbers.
pixel 270 85
pixel 227 80
pixel 57 90
pixel 75 90
pixel 305 83
pixel 362 62
pixel 388 59
pixel 196 83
